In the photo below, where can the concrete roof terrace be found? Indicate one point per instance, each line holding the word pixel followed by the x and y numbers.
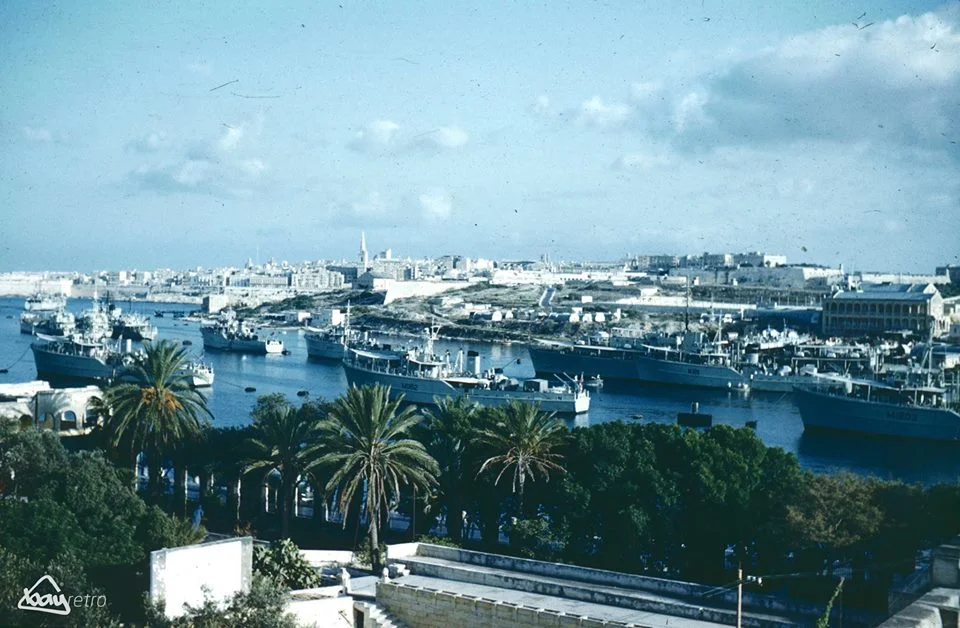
pixel 449 586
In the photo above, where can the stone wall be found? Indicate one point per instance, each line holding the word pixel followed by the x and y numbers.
pixel 426 608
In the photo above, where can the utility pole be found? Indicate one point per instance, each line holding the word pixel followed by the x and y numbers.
pixel 740 580
pixel 739 593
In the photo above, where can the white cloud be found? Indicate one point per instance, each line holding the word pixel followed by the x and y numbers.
pixel 542 105
pixel 201 68
pixel 444 138
pixel 253 167
pixel 450 137
pixel 230 137
pixel 436 204
pixel 376 136
pixel 646 92
pixel 690 111
pixel 641 161
pixel 150 143
pixel 41 135
pixel 372 205
pixel 596 113
pixel 218 165
pixel 893 83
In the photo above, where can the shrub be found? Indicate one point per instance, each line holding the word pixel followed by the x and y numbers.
pixel 284 563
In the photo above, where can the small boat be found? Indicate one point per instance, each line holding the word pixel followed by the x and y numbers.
pixel 303 393
pixel 187 343
pixel 636 417
pixel 249 389
pixel 2 371
pixel 285 352
pixel 694 418
pixel 593 383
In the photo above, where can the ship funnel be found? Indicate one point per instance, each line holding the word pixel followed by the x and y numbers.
pixel 474 360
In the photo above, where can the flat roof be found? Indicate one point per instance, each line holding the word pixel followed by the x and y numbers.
pixel 556 604
pixel 883 295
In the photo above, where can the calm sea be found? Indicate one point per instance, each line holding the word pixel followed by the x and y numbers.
pixel 778 422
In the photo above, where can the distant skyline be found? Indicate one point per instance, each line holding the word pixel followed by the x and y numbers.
pixel 181 134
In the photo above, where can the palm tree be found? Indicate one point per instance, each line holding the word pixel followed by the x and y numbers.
pixel 153 408
pixel 282 436
pixel 446 433
pixel 522 441
pixel 366 444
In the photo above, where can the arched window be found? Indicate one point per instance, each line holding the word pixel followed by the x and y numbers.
pixel 68 420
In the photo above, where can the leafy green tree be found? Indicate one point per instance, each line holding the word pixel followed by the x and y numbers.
pixel 264 606
pixel 281 440
pixel 780 487
pixel 18 573
pixel 942 512
pixel 223 459
pixel 283 563
pixel 446 433
pixel 615 498
pixel 155 408
pixel 834 515
pixel 79 512
pixel 524 443
pixel 903 526
pixel 365 440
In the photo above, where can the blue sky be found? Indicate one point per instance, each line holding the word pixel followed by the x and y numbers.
pixel 146 134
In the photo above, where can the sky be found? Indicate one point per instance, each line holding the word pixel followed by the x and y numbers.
pixel 183 134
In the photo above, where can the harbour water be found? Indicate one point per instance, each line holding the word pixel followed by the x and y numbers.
pixel 778 421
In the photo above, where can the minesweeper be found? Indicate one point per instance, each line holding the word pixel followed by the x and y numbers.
pixel 423 378
pixel 79 359
pixel 695 362
pixel 230 334
pixel 872 407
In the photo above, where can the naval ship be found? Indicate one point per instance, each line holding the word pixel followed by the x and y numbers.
pixel 230 334
pixel 692 362
pixel 422 377
pixel 872 407
pixel 78 359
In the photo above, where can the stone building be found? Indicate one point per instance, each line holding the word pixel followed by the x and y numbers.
pixel 885 308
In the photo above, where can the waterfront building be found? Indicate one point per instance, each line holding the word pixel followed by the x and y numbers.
pixel 317 279
pixel 875 310
pixel 213 303
pixel 26 284
pixel 797 276
pixel 950 270
pixel 901 278
pixel 374 280
pixel 66 411
pixel 759 259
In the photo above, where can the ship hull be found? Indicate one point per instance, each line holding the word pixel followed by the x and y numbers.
pixel 633 366
pixel 777 383
pixel 425 391
pixel 58 367
pixel 324 349
pixel 215 341
pixel 825 411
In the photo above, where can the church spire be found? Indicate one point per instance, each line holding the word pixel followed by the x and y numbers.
pixel 364 258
